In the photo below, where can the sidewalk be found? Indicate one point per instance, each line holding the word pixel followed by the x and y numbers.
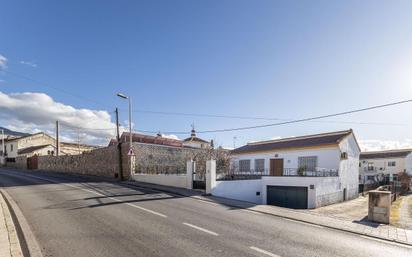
pixel 380 231
pixel 9 242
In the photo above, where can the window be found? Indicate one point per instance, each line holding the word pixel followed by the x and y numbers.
pixel 391 164
pixel 370 166
pixel 370 177
pixel 11 148
pixel 244 165
pixel 308 163
pixel 259 165
pixel 344 155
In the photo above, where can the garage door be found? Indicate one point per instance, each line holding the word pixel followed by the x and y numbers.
pixel 288 196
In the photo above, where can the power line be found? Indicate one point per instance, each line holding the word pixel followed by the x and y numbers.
pixel 292 121
pixel 83 128
pixel 258 118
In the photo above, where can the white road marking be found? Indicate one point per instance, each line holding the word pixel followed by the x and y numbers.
pixel 109 197
pixel 386 242
pixel 147 210
pixel 264 252
pixel 301 222
pixel 201 229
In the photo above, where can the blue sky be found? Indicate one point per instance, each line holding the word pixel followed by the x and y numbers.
pixel 276 59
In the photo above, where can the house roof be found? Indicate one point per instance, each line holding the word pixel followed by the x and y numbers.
pixel 77 145
pixel 195 139
pixel 31 135
pixel 316 140
pixel 32 149
pixel 397 153
pixel 157 140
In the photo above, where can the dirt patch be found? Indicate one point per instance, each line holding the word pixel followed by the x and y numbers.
pixel 353 210
pixel 395 212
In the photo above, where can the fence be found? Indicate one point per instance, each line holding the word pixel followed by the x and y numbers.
pixel 238 174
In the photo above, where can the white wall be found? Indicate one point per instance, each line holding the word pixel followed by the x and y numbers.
pixel 243 190
pixel 11 154
pixel 162 179
pixel 328 157
pixel 408 164
pixel 349 168
pixel 381 165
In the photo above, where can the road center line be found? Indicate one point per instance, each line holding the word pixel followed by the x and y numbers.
pixel 147 210
pixel 264 252
pixel 201 229
pixel 301 222
pixel 100 194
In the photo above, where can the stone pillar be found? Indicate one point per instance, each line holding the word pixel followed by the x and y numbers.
pixel 210 176
pixel 379 206
pixel 190 168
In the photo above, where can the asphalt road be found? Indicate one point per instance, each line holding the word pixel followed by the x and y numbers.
pixel 73 216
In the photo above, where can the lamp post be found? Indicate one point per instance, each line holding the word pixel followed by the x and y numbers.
pixel 130 129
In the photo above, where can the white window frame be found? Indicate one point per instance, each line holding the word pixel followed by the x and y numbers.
pixel 244 165
pixel 309 162
pixel 261 163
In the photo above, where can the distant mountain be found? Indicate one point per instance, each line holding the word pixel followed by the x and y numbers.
pixel 9 132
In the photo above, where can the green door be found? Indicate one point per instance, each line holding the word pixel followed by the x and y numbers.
pixel 288 196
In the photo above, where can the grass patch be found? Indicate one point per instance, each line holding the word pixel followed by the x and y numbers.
pixel 410 206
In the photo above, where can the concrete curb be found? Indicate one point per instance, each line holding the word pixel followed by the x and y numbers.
pixel 14 248
pixel 204 198
pixel 28 242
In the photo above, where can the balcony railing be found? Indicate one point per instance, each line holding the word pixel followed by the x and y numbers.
pixel 318 172
pixel 239 174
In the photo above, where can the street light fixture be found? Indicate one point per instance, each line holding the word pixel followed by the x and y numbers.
pixel 130 128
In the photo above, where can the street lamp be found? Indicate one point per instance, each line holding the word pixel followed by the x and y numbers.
pixel 130 128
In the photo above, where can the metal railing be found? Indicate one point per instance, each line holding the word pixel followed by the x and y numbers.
pixel 236 174
pixel 318 172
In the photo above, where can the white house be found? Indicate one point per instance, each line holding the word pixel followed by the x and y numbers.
pixel 378 165
pixel 298 172
pixel 39 144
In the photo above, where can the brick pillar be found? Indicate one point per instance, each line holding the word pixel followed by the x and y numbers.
pixel 210 176
pixel 190 169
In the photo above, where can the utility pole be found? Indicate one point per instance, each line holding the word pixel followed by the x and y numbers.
pixel 234 142
pixel 78 140
pixel 57 139
pixel 119 144
pixel 3 148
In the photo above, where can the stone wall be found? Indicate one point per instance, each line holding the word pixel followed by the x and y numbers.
pixel 160 159
pixel 100 162
pixel 150 159
pixel 20 163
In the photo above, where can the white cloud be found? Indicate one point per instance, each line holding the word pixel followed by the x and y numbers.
pixel 32 64
pixel 171 136
pixel 33 112
pixel 3 62
pixel 376 145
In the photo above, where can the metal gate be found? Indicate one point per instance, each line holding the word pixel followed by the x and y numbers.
pixel 288 196
pixel 199 181
pixel 33 162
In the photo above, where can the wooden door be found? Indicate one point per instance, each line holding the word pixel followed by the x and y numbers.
pixel 276 167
